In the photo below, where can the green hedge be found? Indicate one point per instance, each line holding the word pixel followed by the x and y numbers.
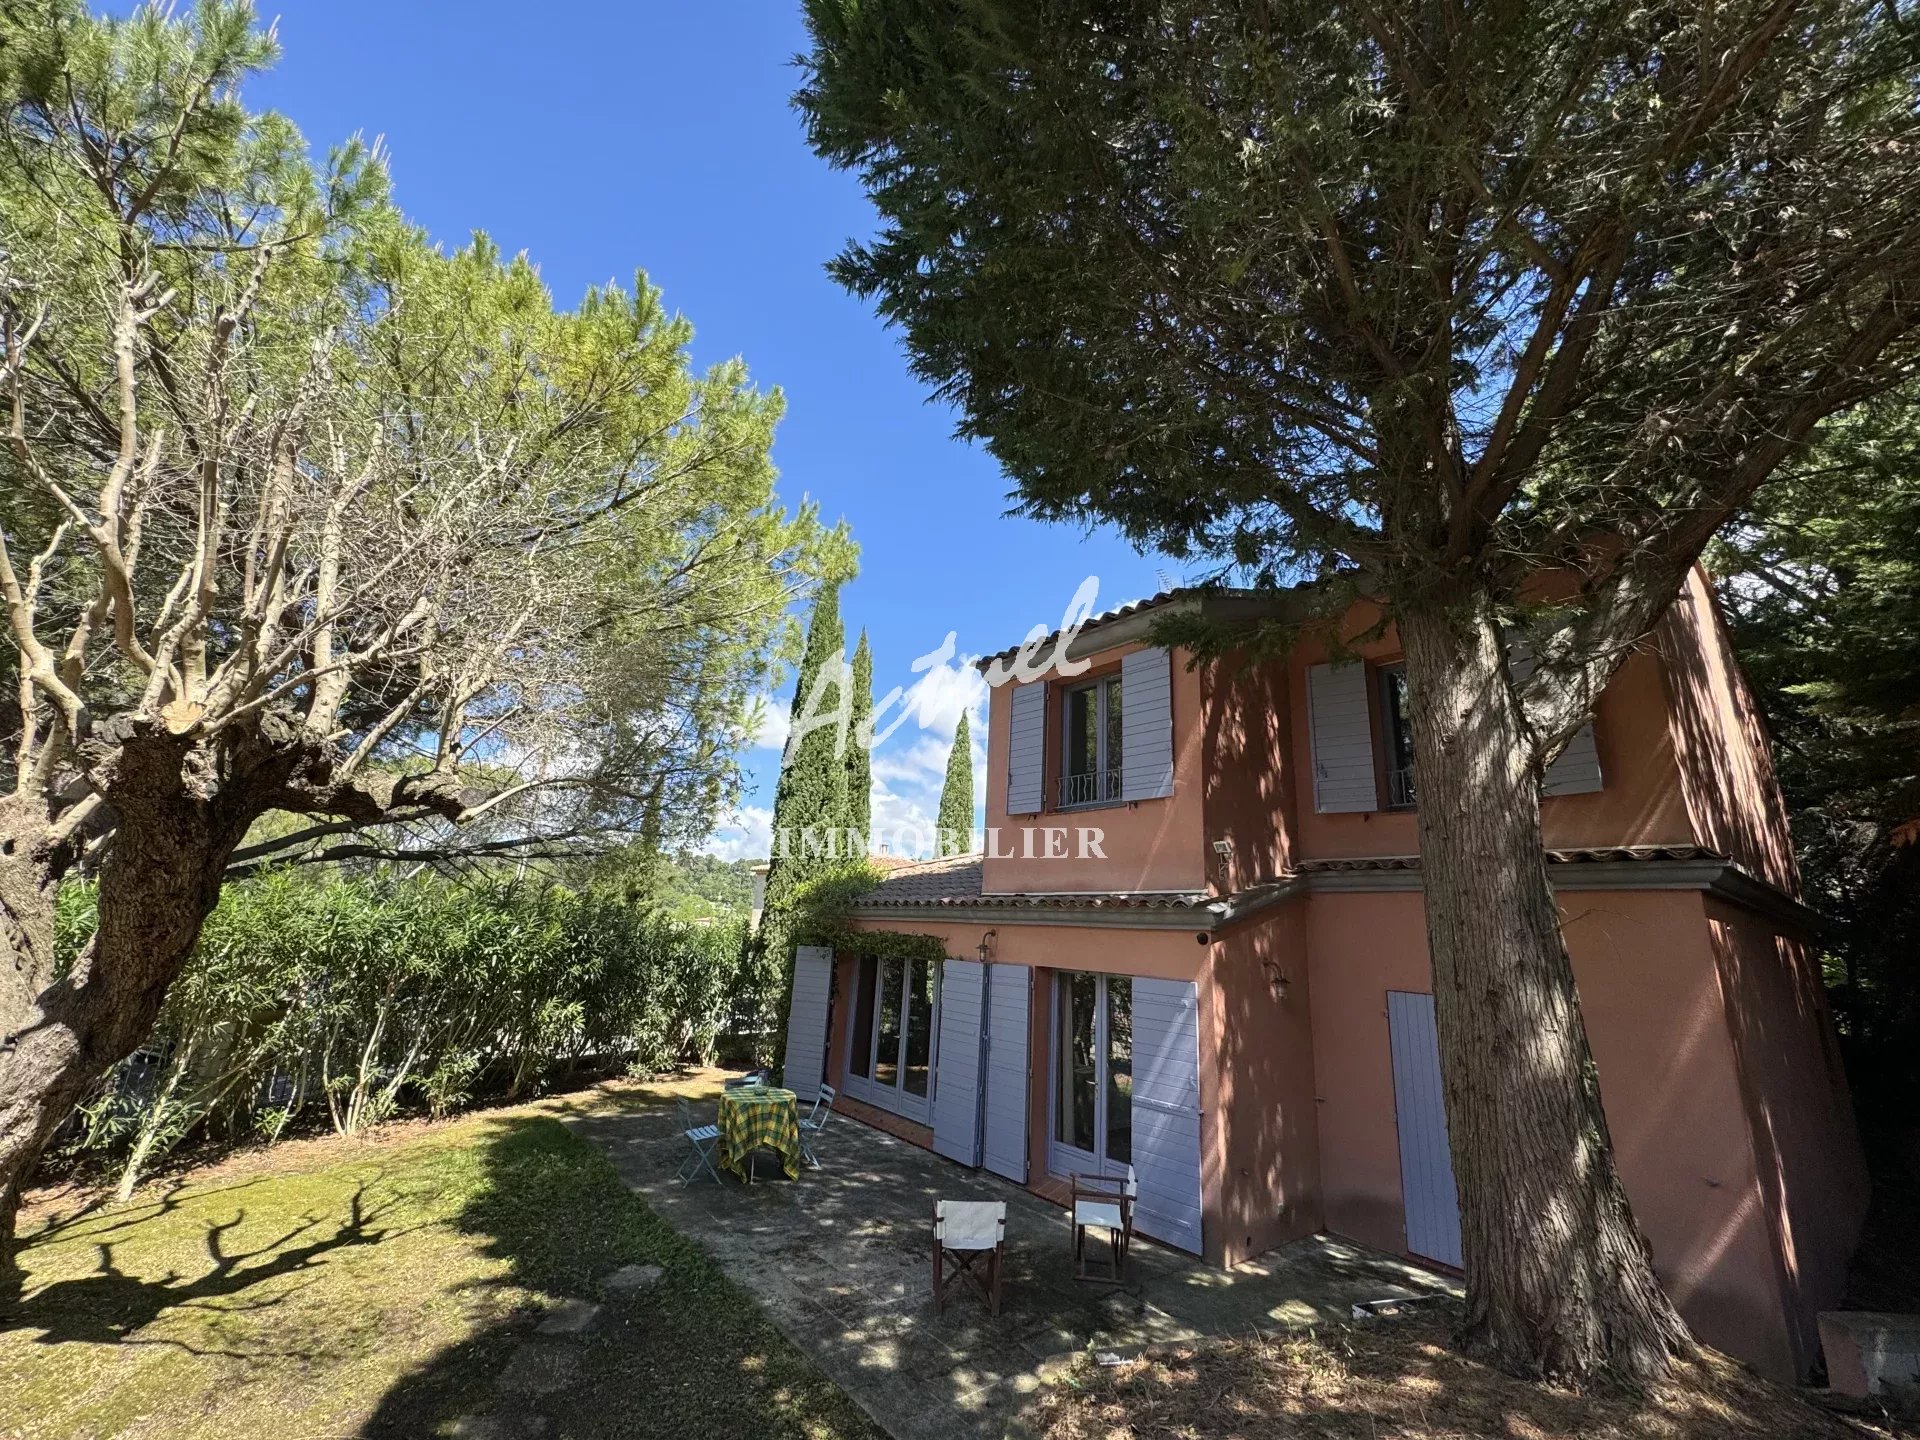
pixel 354 997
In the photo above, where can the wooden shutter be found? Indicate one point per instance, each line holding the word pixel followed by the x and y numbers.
pixel 1342 733
pixel 1005 1127
pixel 1026 748
pixel 1166 1110
pixel 1577 770
pixel 806 1062
pixel 1420 1115
pixel 1146 725
pixel 956 1079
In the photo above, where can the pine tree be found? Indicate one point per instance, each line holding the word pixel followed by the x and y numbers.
pixel 1354 295
pixel 859 759
pixel 954 835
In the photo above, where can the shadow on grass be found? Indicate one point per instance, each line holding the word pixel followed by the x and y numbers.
pixel 110 1306
pixel 686 1354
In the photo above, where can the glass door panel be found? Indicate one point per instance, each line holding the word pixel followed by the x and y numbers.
pixel 886 1055
pixel 918 1074
pixel 1118 1129
pixel 1092 1128
pixel 860 1049
pixel 892 1043
pixel 1074 1100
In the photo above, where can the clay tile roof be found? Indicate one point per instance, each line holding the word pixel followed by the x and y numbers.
pixel 955 881
pixel 928 882
pixel 1596 854
pixel 1094 622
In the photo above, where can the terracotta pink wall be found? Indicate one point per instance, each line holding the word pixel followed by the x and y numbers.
pixel 1813 1177
pixel 1260 1041
pixel 1149 844
pixel 1650 991
pixel 1247 742
pixel 1639 804
pixel 1725 759
pixel 1243 762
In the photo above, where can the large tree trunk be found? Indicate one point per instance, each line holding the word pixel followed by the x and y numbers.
pixel 1560 1281
pixel 59 1032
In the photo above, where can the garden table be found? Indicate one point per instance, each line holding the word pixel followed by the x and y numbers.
pixel 753 1118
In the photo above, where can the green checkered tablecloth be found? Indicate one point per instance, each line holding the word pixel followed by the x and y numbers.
pixel 752 1120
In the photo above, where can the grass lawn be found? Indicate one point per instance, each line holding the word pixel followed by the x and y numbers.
pixel 1399 1378
pixel 389 1288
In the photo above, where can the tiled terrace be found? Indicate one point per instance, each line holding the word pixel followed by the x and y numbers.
pixel 841 1260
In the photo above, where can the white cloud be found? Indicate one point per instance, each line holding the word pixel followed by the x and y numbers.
pixel 746 834
pixel 914 766
pixel 938 697
pixel 902 823
pixel 772 720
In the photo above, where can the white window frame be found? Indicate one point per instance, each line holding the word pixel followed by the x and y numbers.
pixel 1106 775
pixel 1063 1159
pixel 895 1098
pixel 1400 794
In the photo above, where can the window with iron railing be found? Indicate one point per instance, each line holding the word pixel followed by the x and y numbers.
pixel 1400 788
pixel 1090 731
pixel 1094 788
pixel 1397 727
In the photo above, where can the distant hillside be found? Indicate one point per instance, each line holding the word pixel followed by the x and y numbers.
pixel 704 883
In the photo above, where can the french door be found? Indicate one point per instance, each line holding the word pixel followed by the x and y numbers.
pixel 890 1049
pixel 1092 1089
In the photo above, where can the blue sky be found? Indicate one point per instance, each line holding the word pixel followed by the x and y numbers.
pixel 605 138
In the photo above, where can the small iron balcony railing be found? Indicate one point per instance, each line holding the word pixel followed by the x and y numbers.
pixel 1096 787
pixel 1400 787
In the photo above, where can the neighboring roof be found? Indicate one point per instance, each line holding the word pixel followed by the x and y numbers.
pixel 892 862
pixel 953 886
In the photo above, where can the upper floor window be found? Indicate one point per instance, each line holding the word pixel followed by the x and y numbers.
pixel 1090 767
pixel 1397 731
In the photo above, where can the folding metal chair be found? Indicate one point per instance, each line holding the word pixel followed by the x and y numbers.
pixel 969 1237
pixel 1101 1202
pixel 701 1143
pixel 815 1122
pixel 752 1077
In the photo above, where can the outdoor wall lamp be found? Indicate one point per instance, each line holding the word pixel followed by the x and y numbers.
pixel 1277 980
pixel 985 948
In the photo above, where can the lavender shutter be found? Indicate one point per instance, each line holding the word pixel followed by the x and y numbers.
pixel 1026 748
pixel 1166 1110
pixel 1146 725
pixel 806 1062
pixel 956 1080
pixel 1005 1091
pixel 1420 1115
pixel 1576 771
pixel 1342 733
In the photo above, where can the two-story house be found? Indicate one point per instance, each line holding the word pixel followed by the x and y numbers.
pixel 1230 991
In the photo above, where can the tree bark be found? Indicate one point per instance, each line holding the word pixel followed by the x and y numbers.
pixel 1560 1281
pixel 159 879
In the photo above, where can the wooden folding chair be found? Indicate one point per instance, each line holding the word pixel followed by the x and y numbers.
pixel 1101 1202
pixel 969 1238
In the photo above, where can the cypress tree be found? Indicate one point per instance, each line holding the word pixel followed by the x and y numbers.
pixel 954 835
pixel 859 758
pixel 811 795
